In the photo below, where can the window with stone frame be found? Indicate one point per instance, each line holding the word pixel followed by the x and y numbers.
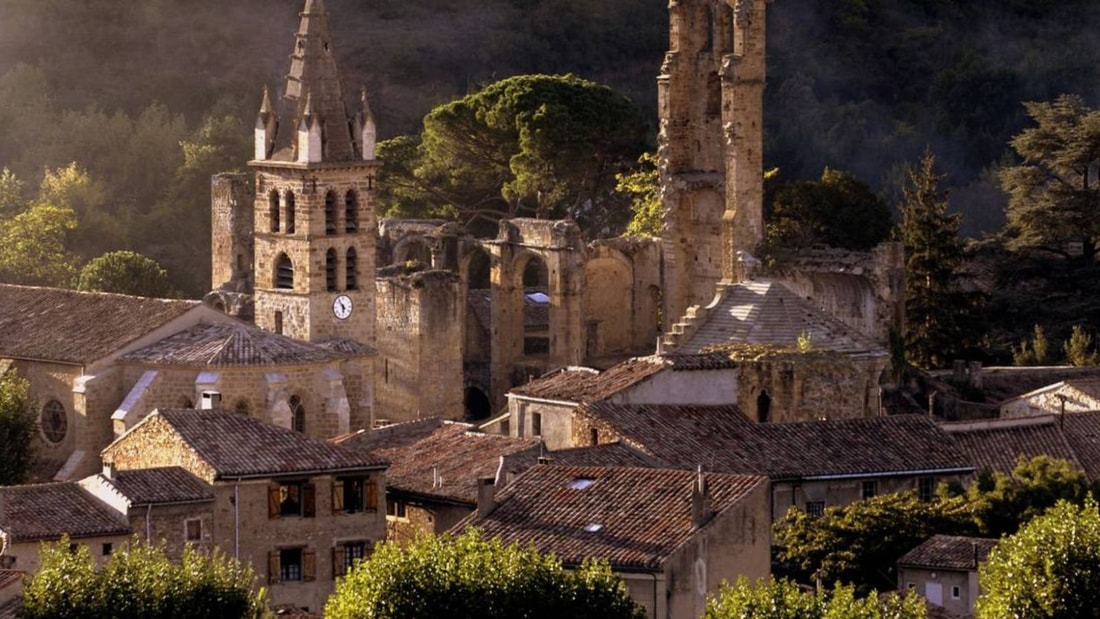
pixel 291 498
pixel 295 564
pixel 192 530
pixel 346 554
pixel 330 270
pixel 351 212
pixel 297 414
pixel 273 210
pixel 352 495
pixel 284 272
pixel 351 270
pixel 536 424
pixel 330 213
pixel 54 422
pixel 289 223
pixel 815 509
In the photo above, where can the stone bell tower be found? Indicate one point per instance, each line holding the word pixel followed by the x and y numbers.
pixel 710 146
pixel 314 214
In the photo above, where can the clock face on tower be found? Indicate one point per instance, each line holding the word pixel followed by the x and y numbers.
pixel 341 306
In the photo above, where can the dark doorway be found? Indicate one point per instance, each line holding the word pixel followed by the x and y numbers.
pixel 478 407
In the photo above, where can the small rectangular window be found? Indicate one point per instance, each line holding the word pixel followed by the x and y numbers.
pixel 192 530
pixel 956 593
pixel 351 495
pixel 292 498
pixel 536 424
pixel 397 510
pixel 910 586
pixel 353 553
pixel 290 564
pixel 926 487
pixel 815 509
pixel 107 549
pixel 870 489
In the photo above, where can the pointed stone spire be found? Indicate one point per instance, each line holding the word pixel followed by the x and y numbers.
pixel 368 131
pixel 310 134
pixel 313 76
pixel 267 124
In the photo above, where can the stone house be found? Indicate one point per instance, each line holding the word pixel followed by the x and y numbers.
pixel 431 483
pixel 997 445
pixel 98 362
pixel 33 514
pixel 544 407
pixel 299 509
pixel 811 464
pixel 944 569
pixel 166 505
pixel 674 536
pixel 1067 396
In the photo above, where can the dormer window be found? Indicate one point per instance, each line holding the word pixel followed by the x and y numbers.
pixel 580 483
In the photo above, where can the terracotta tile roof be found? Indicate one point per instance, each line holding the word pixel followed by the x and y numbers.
pixel 995 445
pixel 605 454
pixel 230 344
pixel 445 459
pixel 170 484
pixel 237 445
pixel 348 347
pixel 77 327
pixel 12 609
pixel 765 312
pixel 700 362
pixel 577 385
pixel 47 511
pixel 632 517
pixel 720 438
pixel 1082 432
pixel 949 552
pixel 10 577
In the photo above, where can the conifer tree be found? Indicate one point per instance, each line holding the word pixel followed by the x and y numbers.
pixel 936 309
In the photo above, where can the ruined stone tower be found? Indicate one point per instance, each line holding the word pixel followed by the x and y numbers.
pixel 314 218
pixel 710 102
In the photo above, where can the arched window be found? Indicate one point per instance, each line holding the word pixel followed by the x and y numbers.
pixel 290 212
pixel 297 414
pixel 284 272
pixel 351 273
pixel 330 269
pixel 273 209
pixel 54 422
pixel 351 212
pixel 330 213
pixel 763 407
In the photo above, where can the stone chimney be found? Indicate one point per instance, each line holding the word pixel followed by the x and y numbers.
pixel 701 511
pixel 486 497
pixel 108 470
pixel 210 400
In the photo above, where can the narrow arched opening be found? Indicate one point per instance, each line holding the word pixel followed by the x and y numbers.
pixel 478 407
pixel 284 272
pixel 763 407
pixel 351 270
pixel 330 270
pixel 536 308
pixel 330 213
pixel 273 211
pixel 289 212
pixel 351 212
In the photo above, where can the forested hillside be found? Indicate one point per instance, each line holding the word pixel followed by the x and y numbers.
pixel 149 98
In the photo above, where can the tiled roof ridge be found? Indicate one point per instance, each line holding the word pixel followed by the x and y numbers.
pixel 949 552
pixel 96 293
pixel 997 423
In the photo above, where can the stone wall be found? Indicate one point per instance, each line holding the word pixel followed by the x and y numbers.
pixel 231 226
pixel 419 370
pixel 865 290
pixel 622 298
pixel 805 387
pixel 552 422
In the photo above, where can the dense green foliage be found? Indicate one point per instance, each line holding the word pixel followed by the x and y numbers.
pixel 1054 193
pixel 939 315
pixel 838 210
pixel 528 146
pixel 125 272
pixel 643 186
pixel 17 427
pixel 782 599
pixel 860 543
pixel 1046 570
pixel 140 583
pixel 466 577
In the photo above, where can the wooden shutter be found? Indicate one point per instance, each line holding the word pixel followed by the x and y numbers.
pixel 309 564
pixel 274 502
pixel 338 568
pixel 337 496
pixel 273 567
pixel 309 500
pixel 372 495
